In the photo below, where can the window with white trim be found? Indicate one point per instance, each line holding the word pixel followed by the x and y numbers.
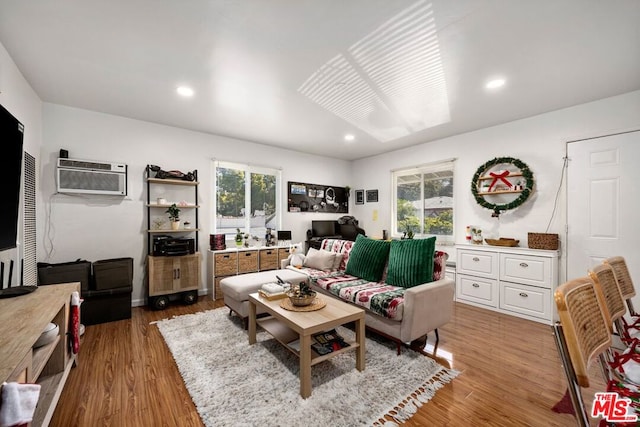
pixel 423 202
pixel 246 197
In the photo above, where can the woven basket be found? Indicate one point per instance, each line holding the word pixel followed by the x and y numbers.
pixel 543 241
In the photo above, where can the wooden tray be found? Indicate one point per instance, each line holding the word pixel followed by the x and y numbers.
pixel 502 241
pixel 272 297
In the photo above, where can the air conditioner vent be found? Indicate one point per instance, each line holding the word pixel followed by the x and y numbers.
pixel 81 176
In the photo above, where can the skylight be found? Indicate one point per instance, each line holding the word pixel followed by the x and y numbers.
pixel 390 83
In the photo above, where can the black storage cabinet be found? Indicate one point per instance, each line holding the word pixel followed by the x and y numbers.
pixel 109 298
pixel 106 292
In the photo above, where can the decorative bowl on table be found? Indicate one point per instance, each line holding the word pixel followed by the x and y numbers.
pixel 301 300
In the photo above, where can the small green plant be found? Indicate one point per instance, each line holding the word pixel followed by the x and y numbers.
pixel 302 290
pixel 239 236
pixel 174 212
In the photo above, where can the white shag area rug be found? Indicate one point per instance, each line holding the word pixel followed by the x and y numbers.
pixel 235 384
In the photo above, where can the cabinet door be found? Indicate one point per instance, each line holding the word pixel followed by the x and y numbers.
pixel 187 272
pixel 161 275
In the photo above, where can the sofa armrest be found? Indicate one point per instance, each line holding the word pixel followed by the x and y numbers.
pixel 284 263
pixel 427 307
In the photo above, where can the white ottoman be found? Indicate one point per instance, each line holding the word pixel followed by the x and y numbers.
pixel 236 289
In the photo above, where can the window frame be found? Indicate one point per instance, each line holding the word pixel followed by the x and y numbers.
pixel 428 168
pixel 248 169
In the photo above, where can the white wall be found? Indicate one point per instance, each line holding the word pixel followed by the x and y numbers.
pixel 94 228
pixel 538 141
pixel 17 96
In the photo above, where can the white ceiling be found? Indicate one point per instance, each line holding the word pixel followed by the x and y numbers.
pixel 301 74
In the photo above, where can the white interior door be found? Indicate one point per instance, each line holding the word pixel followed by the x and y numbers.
pixel 603 203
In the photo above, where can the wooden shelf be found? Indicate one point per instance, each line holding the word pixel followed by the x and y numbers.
pixel 168 205
pixel 41 357
pixel 172 181
pixel 511 175
pixel 22 321
pixel 285 335
pixel 491 193
pixel 182 230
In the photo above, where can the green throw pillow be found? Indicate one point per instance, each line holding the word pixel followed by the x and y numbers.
pixel 368 258
pixel 411 262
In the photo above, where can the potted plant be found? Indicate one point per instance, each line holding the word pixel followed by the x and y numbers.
pixel 174 216
pixel 239 238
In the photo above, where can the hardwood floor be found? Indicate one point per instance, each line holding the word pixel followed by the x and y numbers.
pixel 510 374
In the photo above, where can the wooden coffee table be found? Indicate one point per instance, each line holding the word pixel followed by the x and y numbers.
pixel 287 326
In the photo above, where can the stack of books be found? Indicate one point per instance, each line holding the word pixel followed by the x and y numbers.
pixel 323 342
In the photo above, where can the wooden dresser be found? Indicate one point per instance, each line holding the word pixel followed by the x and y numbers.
pixel 22 320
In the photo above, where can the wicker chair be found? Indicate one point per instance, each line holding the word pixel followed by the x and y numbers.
pixel 582 335
pixel 605 281
pixel 623 278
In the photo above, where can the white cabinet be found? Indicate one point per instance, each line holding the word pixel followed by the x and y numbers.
pixel 516 281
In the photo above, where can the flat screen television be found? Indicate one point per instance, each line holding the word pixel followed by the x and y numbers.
pixel 11 135
pixel 323 228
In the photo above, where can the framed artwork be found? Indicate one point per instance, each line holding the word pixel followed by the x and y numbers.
pixel 372 196
pixel 359 197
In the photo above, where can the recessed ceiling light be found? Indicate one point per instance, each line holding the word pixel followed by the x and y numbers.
pixel 184 91
pixel 349 137
pixel 495 83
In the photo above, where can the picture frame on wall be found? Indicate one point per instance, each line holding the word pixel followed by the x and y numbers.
pixel 359 197
pixel 372 196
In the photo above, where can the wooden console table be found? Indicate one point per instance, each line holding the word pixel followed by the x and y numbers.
pixel 22 320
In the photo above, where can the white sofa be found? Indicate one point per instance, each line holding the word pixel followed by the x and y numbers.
pixel 426 307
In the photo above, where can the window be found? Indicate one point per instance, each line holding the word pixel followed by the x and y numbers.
pixel 424 201
pixel 246 197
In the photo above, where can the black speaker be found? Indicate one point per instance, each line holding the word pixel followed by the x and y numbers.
pixel 64 154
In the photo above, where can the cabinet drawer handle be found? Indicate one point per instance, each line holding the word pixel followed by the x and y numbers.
pixel 475 258
pixel 475 285
pixel 248 254
pixel 522 294
pixel 226 256
pixel 524 265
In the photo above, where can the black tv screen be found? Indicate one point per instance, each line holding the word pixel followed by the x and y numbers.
pixel 11 135
pixel 323 228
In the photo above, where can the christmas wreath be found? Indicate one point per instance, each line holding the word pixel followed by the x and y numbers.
pixel 526 191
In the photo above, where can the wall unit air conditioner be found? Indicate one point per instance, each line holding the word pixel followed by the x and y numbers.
pixel 87 177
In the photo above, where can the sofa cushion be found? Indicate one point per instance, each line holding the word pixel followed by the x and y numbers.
pixel 320 259
pixel 380 298
pixel 439 264
pixel 339 246
pixel 411 262
pixel 368 258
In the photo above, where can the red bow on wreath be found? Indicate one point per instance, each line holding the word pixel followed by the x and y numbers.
pixel 499 176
